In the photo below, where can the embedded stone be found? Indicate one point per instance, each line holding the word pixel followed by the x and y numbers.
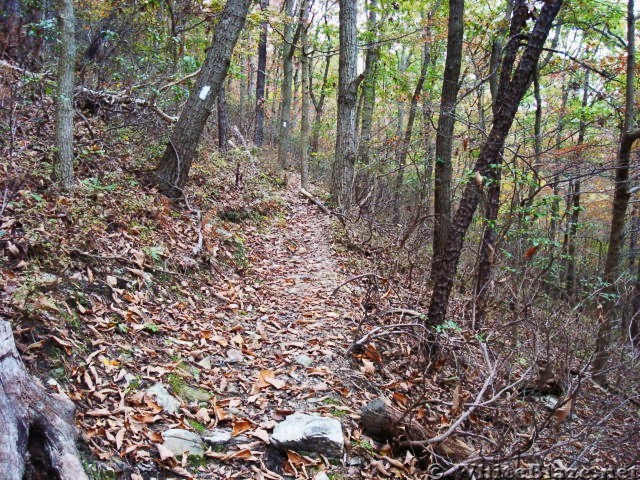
pixel 309 433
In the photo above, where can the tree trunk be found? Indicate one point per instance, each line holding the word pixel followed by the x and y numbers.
pixel 345 154
pixel 223 121
pixel 173 167
pixel 288 48
pixel 574 216
pixel 386 423
pixel 368 92
pixel 510 92
pixel 620 202
pixel 64 113
pixel 444 135
pixel 9 28
pixel 319 105
pixel 405 143
pixel 38 430
pixel 261 76
pixel 304 120
pixel 492 199
pixel 574 208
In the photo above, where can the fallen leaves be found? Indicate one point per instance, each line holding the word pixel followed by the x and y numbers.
pixel 268 378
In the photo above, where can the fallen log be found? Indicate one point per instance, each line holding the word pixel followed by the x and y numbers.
pixel 37 431
pixel 121 100
pixel 315 201
pixel 386 423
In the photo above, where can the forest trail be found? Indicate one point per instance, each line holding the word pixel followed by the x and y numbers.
pixel 269 344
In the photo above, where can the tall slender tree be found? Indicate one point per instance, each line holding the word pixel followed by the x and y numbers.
pixel 368 90
pixel 444 134
pixel 514 81
pixel 305 75
pixel 288 49
pixel 261 75
pixel 348 81
pixel 405 141
pixel 64 113
pixel 630 133
pixel 173 168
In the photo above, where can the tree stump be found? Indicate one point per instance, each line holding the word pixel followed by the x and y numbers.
pixel 386 423
pixel 37 428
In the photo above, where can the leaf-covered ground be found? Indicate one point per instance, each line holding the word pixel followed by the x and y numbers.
pixel 242 303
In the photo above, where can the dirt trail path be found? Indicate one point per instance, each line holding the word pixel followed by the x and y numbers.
pixel 287 335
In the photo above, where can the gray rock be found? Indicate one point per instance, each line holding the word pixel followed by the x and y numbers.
pixel 309 433
pixel 321 476
pixel 205 363
pixel 304 360
pixel 223 438
pixel 217 437
pixel 180 441
pixel 549 401
pixel 191 394
pixel 169 403
pixel 234 356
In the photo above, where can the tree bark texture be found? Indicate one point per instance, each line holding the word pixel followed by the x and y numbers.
pixel 64 105
pixel 35 424
pixel 444 134
pixel 173 167
pixel 386 423
pixel 319 105
pixel 368 92
pixel 510 92
pixel 223 121
pixel 9 27
pixel 304 120
pixel 345 154
pixel 261 77
pixel 288 48
pixel 620 203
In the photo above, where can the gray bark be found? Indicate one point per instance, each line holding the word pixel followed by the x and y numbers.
pixel 319 105
pixel 513 85
pixel 304 121
pixel 173 167
pixel 64 106
pixel 368 94
pixel 444 136
pixel 288 48
pixel 345 154
pixel 261 77
pixel 36 425
pixel 405 143
pixel 223 121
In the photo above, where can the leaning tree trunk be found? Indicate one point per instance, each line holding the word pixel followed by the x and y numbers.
pixel 492 200
pixel 37 430
pixel 444 134
pixel 261 76
pixel 64 114
pixel 173 168
pixel 345 154
pixel 510 92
